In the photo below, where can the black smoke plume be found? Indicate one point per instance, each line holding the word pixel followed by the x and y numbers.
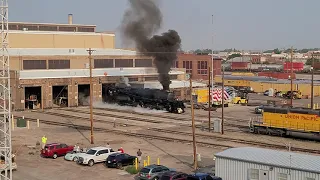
pixel 141 21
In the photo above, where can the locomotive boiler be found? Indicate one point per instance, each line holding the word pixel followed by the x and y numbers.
pixel 146 98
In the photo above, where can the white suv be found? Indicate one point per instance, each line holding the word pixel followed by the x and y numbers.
pixel 95 155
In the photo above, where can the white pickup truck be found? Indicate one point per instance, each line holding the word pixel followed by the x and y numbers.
pixel 95 155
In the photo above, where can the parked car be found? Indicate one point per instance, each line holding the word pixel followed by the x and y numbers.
pixel 202 176
pixel 120 159
pixel 73 156
pixel 95 155
pixel 55 150
pixel 152 172
pixel 171 175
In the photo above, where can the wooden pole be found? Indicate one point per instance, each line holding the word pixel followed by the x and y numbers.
pixel 312 73
pixel 91 95
pixel 222 109
pixel 193 128
pixel 209 97
pixel 291 79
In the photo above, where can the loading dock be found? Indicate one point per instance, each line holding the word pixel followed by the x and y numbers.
pixel 83 94
pixel 60 96
pixel 33 97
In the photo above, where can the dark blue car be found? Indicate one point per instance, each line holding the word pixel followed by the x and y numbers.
pixel 202 176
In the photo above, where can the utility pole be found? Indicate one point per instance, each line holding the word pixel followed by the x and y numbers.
pixel 291 79
pixel 209 97
pixel 312 73
pixel 212 68
pixel 222 109
pixel 195 163
pixel 91 94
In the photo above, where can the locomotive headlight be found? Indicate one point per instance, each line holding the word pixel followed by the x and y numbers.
pixel 179 110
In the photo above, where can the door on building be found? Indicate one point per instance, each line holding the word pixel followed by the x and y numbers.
pixel 263 175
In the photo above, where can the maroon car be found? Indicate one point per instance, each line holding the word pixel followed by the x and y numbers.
pixel 172 175
pixel 55 150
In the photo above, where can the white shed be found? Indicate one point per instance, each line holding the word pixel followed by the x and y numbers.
pixel 248 163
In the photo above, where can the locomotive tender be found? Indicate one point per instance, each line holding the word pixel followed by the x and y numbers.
pixel 286 121
pixel 146 98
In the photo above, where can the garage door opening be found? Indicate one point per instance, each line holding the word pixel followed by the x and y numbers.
pixel 32 97
pixel 84 94
pixel 60 96
pixel 105 91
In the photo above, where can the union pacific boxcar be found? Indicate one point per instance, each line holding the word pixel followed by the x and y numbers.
pixel 285 121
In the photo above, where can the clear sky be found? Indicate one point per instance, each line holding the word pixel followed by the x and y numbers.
pixel 241 24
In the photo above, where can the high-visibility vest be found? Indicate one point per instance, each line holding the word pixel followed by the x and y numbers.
pixel 44 140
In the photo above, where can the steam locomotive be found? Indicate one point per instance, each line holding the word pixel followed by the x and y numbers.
pixel 146 98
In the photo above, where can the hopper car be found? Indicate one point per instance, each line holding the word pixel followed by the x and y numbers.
pixel 144 97
pixel 287 121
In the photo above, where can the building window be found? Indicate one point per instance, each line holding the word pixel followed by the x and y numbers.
pixel 143 63
pixel 48 28
pixel 59 64
pixel 188 66
pixel 253 174
pixel 34 64
pixel 151 78
pixel 203 67
pixel 282 176
pixel 13 27
pixel 177 64
pixel 64 28
pixel 124 63
pixel 28 27
pixel 133 79
pixel 103 63
pixel 173 77
pixel 85 29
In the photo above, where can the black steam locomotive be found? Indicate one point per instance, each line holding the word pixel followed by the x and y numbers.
pixel 147 98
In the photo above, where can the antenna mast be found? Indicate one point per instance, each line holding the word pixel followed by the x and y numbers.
pixel 5 96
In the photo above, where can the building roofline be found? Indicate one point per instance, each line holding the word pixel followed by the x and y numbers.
pixel 57 24
pixel 60 32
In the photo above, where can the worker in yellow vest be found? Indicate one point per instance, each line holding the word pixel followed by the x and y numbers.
pixel 44 141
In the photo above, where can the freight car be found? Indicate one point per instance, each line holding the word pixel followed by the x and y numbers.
pixel 286 121
pixel 146 98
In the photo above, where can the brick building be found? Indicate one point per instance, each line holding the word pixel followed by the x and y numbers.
pixel 198 65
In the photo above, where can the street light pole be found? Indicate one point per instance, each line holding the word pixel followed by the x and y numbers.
pixel 212 68
pixel 91 95
pixel 222 109
pixel 209 99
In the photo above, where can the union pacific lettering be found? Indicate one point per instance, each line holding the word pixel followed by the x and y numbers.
pixel 301 117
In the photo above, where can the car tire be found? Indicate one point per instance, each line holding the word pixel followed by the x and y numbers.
pixel 54 156
pixel 75 159
pixel 119 165
pixel 90 162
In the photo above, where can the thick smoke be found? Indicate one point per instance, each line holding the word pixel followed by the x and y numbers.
pixel 141 21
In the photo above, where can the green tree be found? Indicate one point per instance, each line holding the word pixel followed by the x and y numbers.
pixel 233 56
pixel 276 51
pixel 309 61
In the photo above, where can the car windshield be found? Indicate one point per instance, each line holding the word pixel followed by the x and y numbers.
pixel 145 170
pixel 91 152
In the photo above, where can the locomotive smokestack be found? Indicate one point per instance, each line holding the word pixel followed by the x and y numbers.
pixel 140 22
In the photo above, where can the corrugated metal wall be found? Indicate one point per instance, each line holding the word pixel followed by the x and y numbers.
pixel 229 169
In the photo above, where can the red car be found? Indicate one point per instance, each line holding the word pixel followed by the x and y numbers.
pixel 55 150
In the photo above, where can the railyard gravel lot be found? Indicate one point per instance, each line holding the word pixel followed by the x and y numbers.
pixel 172 154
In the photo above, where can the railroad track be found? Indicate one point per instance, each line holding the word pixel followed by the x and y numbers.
pixel 158 137
pixel 177 119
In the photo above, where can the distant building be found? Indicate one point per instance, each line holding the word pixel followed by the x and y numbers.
pixel 198 65
pixel 248 163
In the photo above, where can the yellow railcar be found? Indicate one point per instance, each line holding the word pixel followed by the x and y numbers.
pixel 288 122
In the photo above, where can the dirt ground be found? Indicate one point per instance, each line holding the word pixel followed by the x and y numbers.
pixel 33 167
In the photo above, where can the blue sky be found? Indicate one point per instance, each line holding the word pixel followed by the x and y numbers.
pixel 241 24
